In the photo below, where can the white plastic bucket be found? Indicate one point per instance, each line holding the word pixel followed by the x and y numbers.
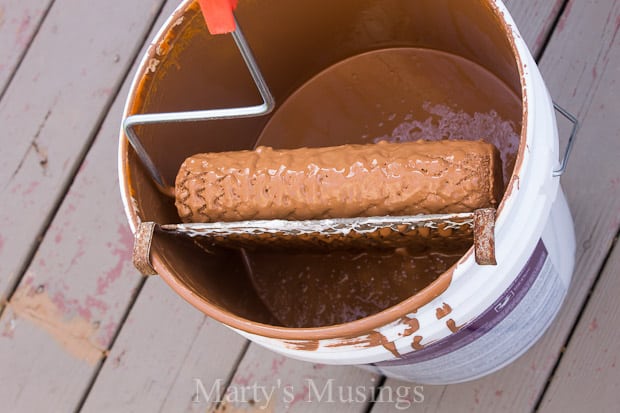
pixel 486 316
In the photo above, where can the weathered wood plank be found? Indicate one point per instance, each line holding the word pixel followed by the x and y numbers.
pixel 164 346
pixel 296 386
pixel 19 21
pixel 535 19
pixel 581 69
pixel 587 377
pixel 52 109
pixel 66 310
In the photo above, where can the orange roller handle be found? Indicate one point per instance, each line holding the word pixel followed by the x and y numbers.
pixel 218 15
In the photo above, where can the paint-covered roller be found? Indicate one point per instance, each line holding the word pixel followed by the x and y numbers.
pixel 397 179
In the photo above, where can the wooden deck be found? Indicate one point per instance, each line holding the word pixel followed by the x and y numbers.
pixel 81 330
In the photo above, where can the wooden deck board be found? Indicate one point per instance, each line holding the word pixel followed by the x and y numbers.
pixel 164 346
pixel 300 386
pixel 588 377
pixel 19 21
pixel 580 68
pixel 76 290
pixel 51 110
pixel 535 20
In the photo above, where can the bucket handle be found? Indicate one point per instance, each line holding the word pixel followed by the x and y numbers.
pixel 571 140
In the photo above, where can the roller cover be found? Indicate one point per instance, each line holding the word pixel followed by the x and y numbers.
pixel 422 177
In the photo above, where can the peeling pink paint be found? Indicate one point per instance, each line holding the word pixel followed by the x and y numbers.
pixel 244 381
pixel 103 92
pixel 22 36
pixel 112 275
pixel 564 17
pixel 31 187
pixel 300 396
pixel 107 334
pixel 60 302
pixel 593 325
pixel 126 238
pixel 123 253
pixel 80 252
pixel 92 302
pixel 1 242
pixel 84 312
pixel 276 364
pixel 539 40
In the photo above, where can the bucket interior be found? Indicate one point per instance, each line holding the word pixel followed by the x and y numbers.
pixel 346 71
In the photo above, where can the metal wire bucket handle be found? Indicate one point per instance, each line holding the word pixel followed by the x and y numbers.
pixel 571 140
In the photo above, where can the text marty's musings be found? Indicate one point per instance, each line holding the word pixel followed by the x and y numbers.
pixel 402 397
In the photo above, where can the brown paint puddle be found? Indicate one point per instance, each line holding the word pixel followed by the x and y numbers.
pixel 318 289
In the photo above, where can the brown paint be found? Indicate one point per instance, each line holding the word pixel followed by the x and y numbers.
pixel 413 326
pixel 452 325
pixel 326 288
pixel 443 311
pixel 363 341
pixel 305 345
pixel 376 338
pixel 416 344
pixel 200 71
